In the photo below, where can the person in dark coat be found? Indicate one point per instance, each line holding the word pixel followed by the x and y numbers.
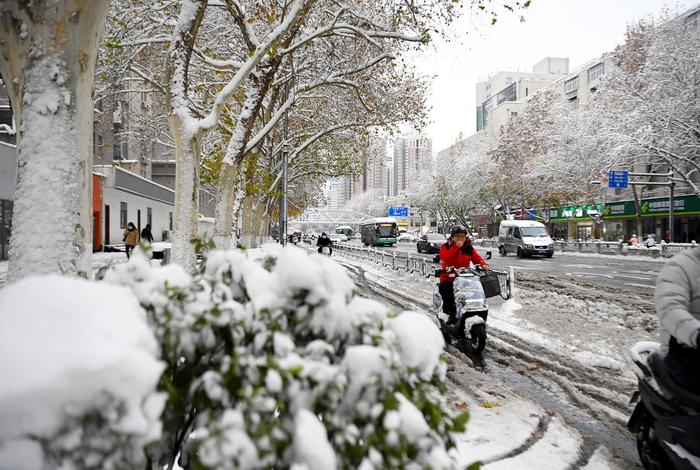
pixel 457 252
pixel 324 240
pixel 146 234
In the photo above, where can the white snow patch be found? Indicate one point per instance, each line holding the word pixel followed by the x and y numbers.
pixel 420 342
pixel 559 447
pixel 311 446
pixel 492 432
pixel 66 345
pixel 412 421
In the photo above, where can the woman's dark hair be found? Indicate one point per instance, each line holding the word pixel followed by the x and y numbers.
pixel 467 248
pixel 130 224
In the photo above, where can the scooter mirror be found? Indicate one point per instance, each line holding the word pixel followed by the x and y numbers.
pixel 488 255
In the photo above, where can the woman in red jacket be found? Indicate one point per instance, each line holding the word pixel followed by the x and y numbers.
pixel 457 252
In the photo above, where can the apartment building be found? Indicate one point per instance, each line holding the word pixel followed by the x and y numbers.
pixel 504 94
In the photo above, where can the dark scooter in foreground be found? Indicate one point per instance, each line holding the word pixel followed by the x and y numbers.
pixel 666 417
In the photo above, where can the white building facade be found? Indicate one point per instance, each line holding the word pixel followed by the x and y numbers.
pixel 412 157
pixel 503 95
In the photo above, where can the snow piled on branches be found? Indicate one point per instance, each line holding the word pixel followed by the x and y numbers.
pixel 276 362
pixel 79 370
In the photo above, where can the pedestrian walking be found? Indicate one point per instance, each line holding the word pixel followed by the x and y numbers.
pixel 146 234
pixel 131 238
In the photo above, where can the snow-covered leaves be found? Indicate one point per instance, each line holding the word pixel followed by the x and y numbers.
pixel 259 351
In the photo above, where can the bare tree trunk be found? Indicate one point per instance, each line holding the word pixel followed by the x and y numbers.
pixel 187 139
pixel 186 194
pixel 48 65
pixel 248 221
pixel 228 200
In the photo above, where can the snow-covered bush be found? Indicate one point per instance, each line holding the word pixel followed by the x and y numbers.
pixel 78 372
pixel 276 363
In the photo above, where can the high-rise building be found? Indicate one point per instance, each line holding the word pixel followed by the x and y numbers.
pixel 332 193
pixel 412 157
pixel 389 177
pixel 375 166
pixel 503 95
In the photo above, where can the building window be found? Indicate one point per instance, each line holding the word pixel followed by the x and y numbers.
pixel 595 72
pixel 5 228
pixel 149 216
pixel 571 85
pixel 6 118
pixel 514 114
pixel 170 221
pixel 120 149
pixel 122 215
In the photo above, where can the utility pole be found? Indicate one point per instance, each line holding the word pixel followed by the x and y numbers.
pixel 285 163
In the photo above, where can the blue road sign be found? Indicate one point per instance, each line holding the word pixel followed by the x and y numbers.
pixel 618 179
pixel 398 211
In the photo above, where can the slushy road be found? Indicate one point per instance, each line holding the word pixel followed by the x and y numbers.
pixel 598 269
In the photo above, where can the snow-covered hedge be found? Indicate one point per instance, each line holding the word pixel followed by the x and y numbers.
pixel 276 362
pixel 266 363
pixel 78 374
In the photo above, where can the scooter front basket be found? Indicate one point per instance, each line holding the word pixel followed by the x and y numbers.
pixel 491 284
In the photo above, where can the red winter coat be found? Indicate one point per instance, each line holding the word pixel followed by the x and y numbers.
pixel 454 257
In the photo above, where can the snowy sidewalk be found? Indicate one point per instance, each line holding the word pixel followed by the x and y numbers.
pixel 99 260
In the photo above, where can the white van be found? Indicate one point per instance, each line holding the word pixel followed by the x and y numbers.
pixel 524 238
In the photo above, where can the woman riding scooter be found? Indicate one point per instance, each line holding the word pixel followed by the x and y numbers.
pixel 457 252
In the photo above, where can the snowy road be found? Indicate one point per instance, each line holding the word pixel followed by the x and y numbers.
pixel 561 344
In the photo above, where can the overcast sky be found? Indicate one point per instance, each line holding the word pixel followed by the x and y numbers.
pixel 578 29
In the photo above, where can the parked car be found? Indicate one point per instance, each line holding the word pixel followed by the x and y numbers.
pixel 430 243
pixel 336 237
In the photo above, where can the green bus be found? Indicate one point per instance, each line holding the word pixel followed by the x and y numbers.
pixel 379 231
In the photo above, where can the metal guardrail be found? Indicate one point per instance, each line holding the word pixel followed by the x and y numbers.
pixel 665 250
pixel 414 264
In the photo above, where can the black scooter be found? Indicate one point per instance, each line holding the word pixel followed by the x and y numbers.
pixel 666 417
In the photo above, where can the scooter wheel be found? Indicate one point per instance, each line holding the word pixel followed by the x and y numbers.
pixel 477 339
pixel 445 335
pixel 651 454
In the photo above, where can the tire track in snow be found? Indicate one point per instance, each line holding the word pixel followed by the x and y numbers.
pixel 583 387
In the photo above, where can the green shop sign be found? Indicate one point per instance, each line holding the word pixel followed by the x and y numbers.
pixel 682 205
pixel 568 212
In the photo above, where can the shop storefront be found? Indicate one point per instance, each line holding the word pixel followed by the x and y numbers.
pixel 621 219
pixel 580 222
pixel 618 220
